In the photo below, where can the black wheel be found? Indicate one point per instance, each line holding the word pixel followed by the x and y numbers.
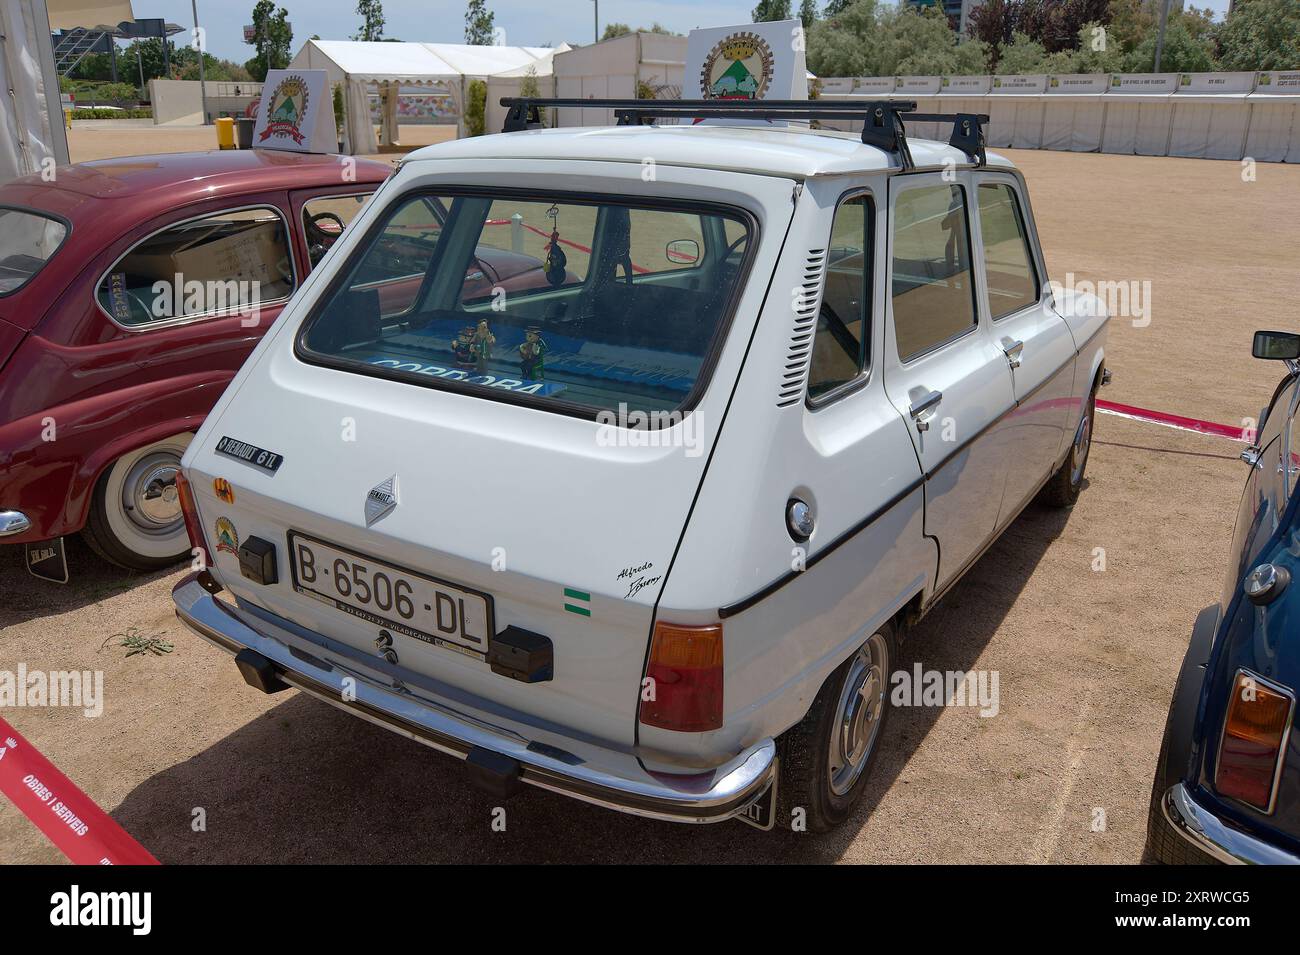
pixel 827 757
pixel 135 514
pixel 1062 490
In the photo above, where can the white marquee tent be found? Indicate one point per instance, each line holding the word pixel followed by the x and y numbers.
pixel 362 65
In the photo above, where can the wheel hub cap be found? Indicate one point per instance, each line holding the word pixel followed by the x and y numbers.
pixel 1081 443
pixel 149 494
pixel 857 717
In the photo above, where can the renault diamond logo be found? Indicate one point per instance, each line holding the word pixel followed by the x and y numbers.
pixel 381 500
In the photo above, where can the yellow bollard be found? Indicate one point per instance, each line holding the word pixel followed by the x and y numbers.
pixel 225 132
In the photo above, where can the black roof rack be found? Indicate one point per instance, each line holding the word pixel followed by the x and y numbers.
pixel 882 120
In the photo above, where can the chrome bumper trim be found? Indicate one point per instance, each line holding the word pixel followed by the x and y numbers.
pixel 737 784
pixel 1215 837
pixel 14 522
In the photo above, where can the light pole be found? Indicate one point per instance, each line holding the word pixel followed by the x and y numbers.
pixel 1160 36
pixel 595 32
pixel 198 42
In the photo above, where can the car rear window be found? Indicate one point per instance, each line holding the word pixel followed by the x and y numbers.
pixel 580 304
pixel 27 241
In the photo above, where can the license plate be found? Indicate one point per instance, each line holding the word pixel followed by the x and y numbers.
pixel 400 600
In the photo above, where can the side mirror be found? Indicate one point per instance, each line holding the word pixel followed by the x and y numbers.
pixel 1280 346
pixel 682 251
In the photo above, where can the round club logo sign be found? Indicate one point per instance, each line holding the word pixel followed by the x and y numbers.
pixel 287 108
pixel 738 67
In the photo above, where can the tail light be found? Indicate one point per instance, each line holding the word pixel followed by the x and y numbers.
pixel 1250 753
pixel 683 689
pixel 193 525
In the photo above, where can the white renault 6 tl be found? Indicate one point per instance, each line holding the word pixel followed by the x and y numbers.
pixel 617 461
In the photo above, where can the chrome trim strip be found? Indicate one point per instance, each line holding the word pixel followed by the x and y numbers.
pixel 1216 838
pixel 737 784
pixel 14 522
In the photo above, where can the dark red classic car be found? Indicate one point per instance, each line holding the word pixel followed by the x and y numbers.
pixel 131 290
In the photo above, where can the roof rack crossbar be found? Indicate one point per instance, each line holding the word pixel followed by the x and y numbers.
pixel 882 120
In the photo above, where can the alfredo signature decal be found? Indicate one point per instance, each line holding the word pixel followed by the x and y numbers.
pixel 638 578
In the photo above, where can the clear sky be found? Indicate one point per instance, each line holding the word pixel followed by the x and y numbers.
pixel 526 22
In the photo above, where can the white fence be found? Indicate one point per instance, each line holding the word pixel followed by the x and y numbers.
pixel 1198 115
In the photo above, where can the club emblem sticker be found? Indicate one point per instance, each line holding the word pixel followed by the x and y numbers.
pixel 286 110
pixel 738 67
pixel 227 536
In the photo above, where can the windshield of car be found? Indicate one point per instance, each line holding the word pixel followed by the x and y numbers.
pixel 27 241
pixel 569 301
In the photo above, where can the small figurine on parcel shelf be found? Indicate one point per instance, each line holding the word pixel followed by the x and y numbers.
pixel 532 353
pixel 463 347
pixel 483 342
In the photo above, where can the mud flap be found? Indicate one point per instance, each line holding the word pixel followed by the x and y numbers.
pixel 761 813
pixel 48 560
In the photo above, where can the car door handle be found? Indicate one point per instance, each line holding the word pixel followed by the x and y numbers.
pixel 1012 349
pixel 923 404
pixel 1251 456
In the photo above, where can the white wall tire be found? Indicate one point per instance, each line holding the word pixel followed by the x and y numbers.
pixel 135 517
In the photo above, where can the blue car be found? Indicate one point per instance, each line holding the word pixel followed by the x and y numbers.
pixel 1227 786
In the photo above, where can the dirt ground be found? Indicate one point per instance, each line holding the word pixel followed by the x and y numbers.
pixel 100 141
pixel 1086 657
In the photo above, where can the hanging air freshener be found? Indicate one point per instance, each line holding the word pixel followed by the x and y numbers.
pixel 556 260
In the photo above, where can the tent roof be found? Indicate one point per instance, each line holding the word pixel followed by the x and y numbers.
pixel 416 62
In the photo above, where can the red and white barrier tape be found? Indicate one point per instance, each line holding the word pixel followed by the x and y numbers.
pixel 69 818
pixel 1178 422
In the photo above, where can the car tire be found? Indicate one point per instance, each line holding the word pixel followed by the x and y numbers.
pixel 823 772
pixel 135 519
pixel 1062 489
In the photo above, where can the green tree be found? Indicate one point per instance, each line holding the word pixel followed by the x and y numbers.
pixel 1182 52
pixel 843 44
pixel 272 39
pixel 834 8
pixel 1022 55
pixel 476 107
pixel 808 13
pixel 1130 22
pixel 768 10
pixel 1098 51
pixel 372 20
pixel 479 23
pixel 1262 35
pixel 866 39
pixel 915 42
pixel 613 30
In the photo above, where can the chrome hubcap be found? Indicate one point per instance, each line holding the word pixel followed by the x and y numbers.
pixel 1081 443
pixel 149 495
pixel 857 716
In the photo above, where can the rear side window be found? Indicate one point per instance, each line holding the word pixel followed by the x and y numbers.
pixel 843 333
pixel 222 264
pixel 27 241
pixel 933 297
pixel 577 303
pixel 1008 261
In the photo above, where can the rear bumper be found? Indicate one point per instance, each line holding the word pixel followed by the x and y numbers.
pixel 1215 838
pixel 618 782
